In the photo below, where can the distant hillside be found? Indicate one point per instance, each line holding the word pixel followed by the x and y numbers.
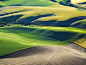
pixel 41 2
pixel 55 15
pixel 81 3
pixel 72 1
pixel 25 3
pixel 78 1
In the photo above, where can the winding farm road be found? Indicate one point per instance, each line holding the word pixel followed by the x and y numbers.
pixel 71 54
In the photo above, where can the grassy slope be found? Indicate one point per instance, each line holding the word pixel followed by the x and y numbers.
pixel 1 12
pixel 34 2
pixel 11 38
pixel 62 12
pixel 16 38
pixel 26 3
pixel 82 22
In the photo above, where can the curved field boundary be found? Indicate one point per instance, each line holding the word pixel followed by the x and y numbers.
pixel 42 17
pixel 66 23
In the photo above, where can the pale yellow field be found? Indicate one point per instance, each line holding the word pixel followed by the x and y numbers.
pixel 62 12
pixel 81 42
pixel 78 1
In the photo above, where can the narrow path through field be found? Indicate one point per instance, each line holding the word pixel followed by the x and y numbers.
pixel 71 54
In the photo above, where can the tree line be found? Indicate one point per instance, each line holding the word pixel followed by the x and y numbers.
pixel 2 24
pixel 8 24
pixel 68 3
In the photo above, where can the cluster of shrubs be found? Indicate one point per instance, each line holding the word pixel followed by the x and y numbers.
pixel 25 24
pixel 53 0
pixel 65 2
pixel 68 3
pixel 5 24
pixel 2 24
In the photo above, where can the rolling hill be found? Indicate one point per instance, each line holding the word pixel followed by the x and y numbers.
pixel 62 15
pixel 16 38
pixel 73 3
pixel 26 3
pixel 51 24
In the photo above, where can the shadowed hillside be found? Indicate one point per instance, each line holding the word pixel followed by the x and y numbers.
pixel 54 32
pixel 48 16
pixel 21 37
pixel 66 23
pixel 82 3
pixel 10 19
pixel 80 24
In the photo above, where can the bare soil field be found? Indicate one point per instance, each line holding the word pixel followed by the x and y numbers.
pixel 71 54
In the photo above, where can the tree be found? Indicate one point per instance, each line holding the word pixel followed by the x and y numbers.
pixel 53 0
pixel 67 1
pixel 26 24
pixel 2 24
pixel 61 2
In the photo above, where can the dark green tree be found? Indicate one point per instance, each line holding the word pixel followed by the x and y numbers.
pixel 67 1
pixel 53 0
pixel 1 25
pixel 26 24
pixel 61 2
